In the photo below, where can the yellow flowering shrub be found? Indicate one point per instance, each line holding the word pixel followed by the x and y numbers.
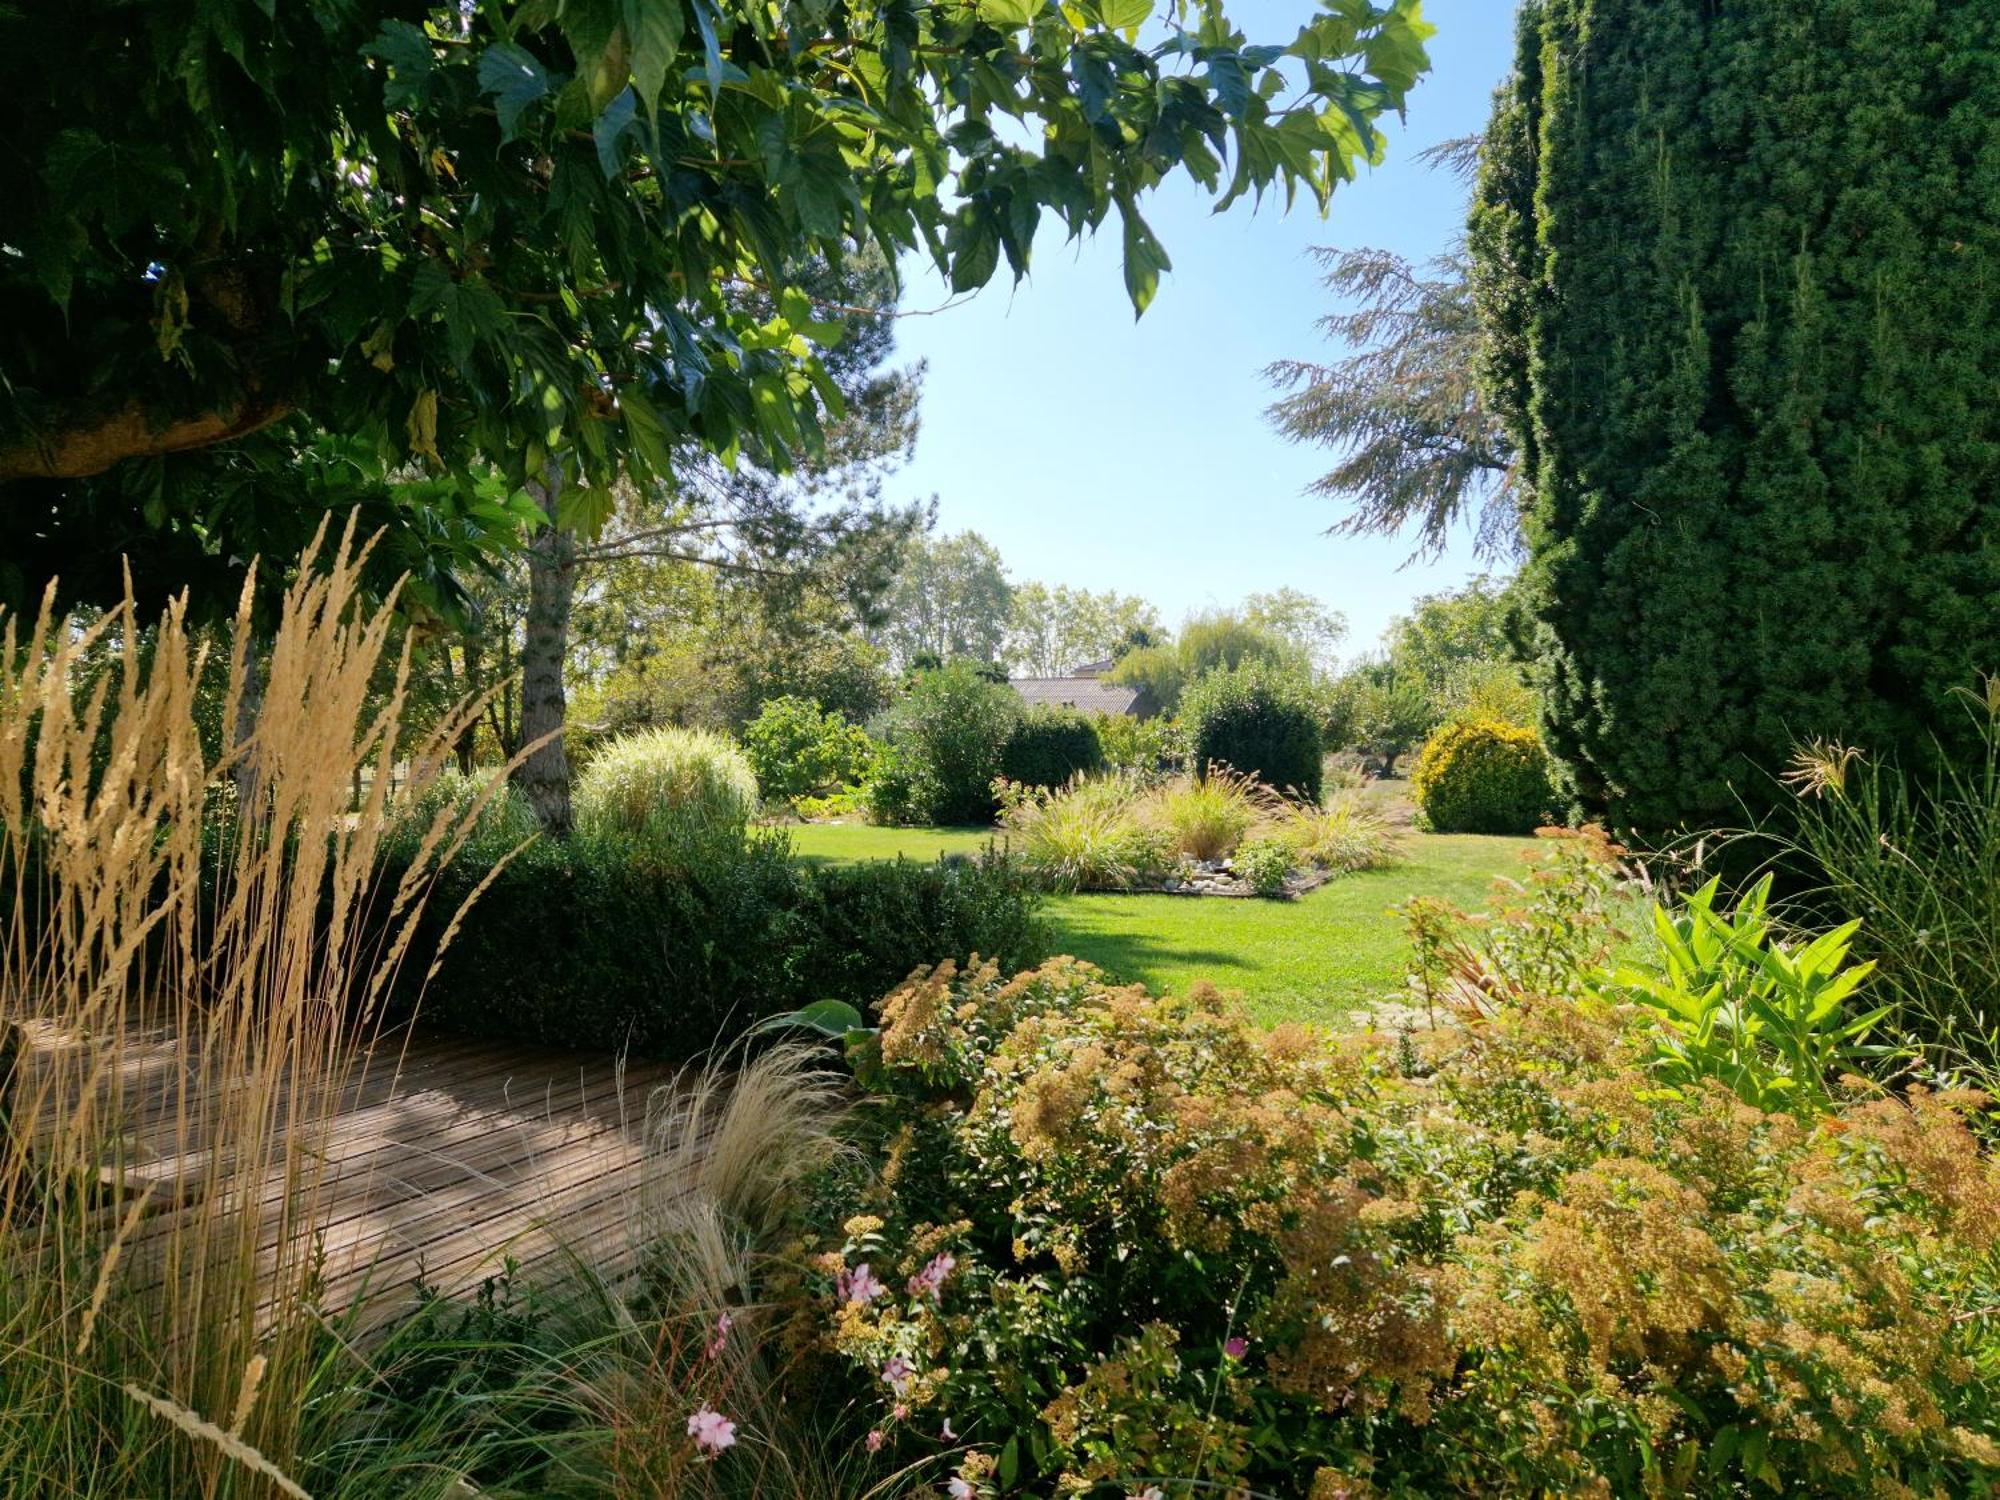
pixel 1120 1243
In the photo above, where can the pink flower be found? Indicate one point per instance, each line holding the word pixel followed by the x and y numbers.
pixel 858 1285
pixel 1150 1492
pixel 875 1441
pixel 722 1326
pixel 959 1489
pixel 897 1372
pixel 945 1434
pixel 1236 1348
pixel 929 1282
pixel 711 1430
pixel 899 1411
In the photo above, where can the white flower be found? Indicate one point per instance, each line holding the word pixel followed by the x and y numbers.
pixel 959 1489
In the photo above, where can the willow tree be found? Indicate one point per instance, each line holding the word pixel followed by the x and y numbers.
pixel 1739 271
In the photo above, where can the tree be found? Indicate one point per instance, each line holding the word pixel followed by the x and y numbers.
pixel 949 603
pixel 1053 631
pixel 1741 295
pixel 522 232
pixel 1301 621
pixel 1418 444
pixel 1220 641
pixel 740 517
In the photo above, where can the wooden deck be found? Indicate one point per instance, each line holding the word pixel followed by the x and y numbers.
pixel 447 1159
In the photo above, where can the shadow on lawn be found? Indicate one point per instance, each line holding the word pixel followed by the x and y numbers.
pixel 1130 955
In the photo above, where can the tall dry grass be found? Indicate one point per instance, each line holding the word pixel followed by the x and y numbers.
pixel 180 1028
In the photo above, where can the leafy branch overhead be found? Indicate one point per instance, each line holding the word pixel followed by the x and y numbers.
pixel 524 229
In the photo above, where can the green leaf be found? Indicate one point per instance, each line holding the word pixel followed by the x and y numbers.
pixel 655 28
pixel 515 79
pixel 830 1018
pixel 1145 259
pixel 407 51
pixel 583 508
pixel 618 117
pixel 1124 15
pixel 1009 14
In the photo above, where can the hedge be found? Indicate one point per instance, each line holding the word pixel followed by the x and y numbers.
pixel 668 950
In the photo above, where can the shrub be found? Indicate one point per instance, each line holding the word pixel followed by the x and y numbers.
pixel 1483 776
pixel 1273 1262
pixel 797 749
pixel 950 731
pixel 1147 746
pixel 504 821
pixel 666 778
pixel 1052 747
pixel 890 795
pixel 678 940
pixel 1259 719
pixel 1089 836
pixel 1266 866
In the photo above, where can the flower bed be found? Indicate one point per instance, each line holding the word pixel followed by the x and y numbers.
pixel 1215 835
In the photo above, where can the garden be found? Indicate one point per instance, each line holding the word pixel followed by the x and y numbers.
pixel 456 651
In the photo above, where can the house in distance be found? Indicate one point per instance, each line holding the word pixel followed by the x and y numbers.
pixel 1086 690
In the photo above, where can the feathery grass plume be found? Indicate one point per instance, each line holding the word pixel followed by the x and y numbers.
pixel 1345 834
pixel 1209 815
pixel 191 941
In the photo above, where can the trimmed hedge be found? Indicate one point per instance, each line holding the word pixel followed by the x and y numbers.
pixel 1260 720
pixel 1483 776
pixel 667 947
pixel 1050 747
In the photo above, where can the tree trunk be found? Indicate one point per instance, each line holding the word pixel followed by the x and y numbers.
pixel 249 708
pixel 544 776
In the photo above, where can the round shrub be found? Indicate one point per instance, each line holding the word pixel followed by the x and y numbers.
pixel 1260 720
pixel 1483 776
pixel 1052 747
pixel 950 732
pixel 661 777
pixel 799 749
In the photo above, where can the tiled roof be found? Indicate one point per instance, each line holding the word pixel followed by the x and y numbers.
pixel 1087 694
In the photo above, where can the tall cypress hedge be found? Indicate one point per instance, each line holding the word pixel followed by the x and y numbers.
pixel 1739 267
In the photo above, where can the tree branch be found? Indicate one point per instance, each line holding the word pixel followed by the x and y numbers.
pixel 130 432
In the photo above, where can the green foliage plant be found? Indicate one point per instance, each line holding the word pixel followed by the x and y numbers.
pixel 564 238
pixel 666 777
pixel 1916 854
pixel 1742 354
pixel 1090 835
pixel 1483 776
pixel 1259 719
pixel 950 732
pixel 1289 1263
pixel 1772 1020
pixel 798 749
pixel 1207 816
pixel 1343 834
pixel 1148 746
pixel 1050 747
pixel 1266 865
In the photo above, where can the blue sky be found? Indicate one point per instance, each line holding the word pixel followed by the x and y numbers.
pixel 1104 453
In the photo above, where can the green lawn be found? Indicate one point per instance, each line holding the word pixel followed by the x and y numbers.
pixel 1308 959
